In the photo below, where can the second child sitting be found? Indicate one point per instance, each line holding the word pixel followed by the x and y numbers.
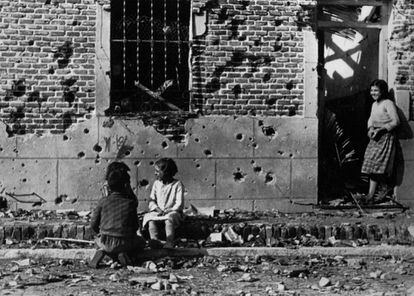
pixel 115 220
pixel 166 203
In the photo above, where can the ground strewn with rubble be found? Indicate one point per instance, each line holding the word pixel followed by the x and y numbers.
pixel 316 275
pixel 321 253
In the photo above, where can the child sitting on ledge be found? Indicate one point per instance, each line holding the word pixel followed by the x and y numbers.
pixel 166 203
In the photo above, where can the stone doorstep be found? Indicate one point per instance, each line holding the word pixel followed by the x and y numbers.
pixel 372 233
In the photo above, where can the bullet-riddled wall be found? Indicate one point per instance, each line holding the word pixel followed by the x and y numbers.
pixel 253 143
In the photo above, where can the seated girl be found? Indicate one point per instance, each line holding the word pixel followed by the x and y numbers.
pixel 166 203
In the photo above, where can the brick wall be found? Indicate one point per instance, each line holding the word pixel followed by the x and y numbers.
pixel 250 61
pixel 47 66
pixel 401 49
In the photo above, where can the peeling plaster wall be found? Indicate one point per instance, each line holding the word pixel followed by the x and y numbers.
pixel 244 162
pixel 258 159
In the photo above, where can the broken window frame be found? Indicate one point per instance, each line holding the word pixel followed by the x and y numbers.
pixel 382 25
pixel 139 89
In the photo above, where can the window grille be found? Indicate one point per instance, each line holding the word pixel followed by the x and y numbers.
pixel 149 55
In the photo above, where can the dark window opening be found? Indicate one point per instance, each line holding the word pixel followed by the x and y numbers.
pixel 149 55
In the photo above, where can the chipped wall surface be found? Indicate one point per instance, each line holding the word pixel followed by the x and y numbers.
pixel 224 161
pixel 252 145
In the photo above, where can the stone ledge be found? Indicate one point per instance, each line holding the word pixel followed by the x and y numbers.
pixel 265 234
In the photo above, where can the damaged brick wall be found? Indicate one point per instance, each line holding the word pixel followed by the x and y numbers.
pixel 401 47
pixel 47 66
pixel 250 60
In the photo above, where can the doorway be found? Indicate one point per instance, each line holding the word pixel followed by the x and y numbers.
pixel 351 45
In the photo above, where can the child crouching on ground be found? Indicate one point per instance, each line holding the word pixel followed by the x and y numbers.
pixel 166 203
pixel 115 219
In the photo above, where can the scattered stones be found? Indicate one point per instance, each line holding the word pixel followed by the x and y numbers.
pixel 324 282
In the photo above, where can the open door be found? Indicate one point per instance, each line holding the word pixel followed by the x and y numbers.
pixel 351 54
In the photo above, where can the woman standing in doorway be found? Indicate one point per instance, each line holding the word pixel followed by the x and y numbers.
pixel 379 159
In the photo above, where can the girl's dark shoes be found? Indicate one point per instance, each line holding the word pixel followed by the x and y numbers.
pixel 124 259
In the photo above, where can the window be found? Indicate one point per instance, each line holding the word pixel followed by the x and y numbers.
pixel 149 55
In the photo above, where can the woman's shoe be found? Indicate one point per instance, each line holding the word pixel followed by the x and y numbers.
pixel 97 258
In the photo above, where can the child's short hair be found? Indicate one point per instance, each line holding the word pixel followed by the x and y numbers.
pixel 167 166
pixel 116 165
pixel 117 180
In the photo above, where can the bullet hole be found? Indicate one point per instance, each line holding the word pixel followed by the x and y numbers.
pixel 30 42
pixel 67 119
pixel 278 22
pixel 280 152
pixel 268 177
pixel 222 15
pixel 213 85
pixel 69 96
pixel 137 162
pixel 23 165
pixel 123 151
pixel 97 148
pixel 260 123
pixel 37 204
pixel 198 165
pixel 97 160
pixel 51 70
pixel 257 42
pixel 237 90
pixel 143 183
pixel 267 77
pixel 291 155
pixel 147 142
pixel 164 145
pixel 289 85
pixel 86 131
pixel 34 96
pixel 288 3
pixel 60 199
pixel 215 42
pixel 270 101
pixel 207 153
pixel 252 161
pixel 403 80
pixel 76 23
pixel 254 145
pixel 239 137
pixel 257 169
pixel 213 185
pixel 65 138
pixel 242 38
pixel 75 200
pixel 203 126
pixel 24 180
pixel 238 176
pixel 197 140
pixel 230 197
pixel 81 154
pixel 1 149
pixel 244 4
pixel 19 87
pixel 63 54
pixel 151 163
pixel 277 46
pixel 268 131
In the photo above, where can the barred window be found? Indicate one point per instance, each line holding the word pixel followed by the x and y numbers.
pixel 149 55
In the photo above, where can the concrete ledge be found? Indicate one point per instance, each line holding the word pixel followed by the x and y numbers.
pixel 86 254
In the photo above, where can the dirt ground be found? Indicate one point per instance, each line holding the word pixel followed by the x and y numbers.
pixel 212 276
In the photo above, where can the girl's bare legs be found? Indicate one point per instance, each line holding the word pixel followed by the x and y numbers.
pixel 169 233
pixel 372 187
pixel 153 230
